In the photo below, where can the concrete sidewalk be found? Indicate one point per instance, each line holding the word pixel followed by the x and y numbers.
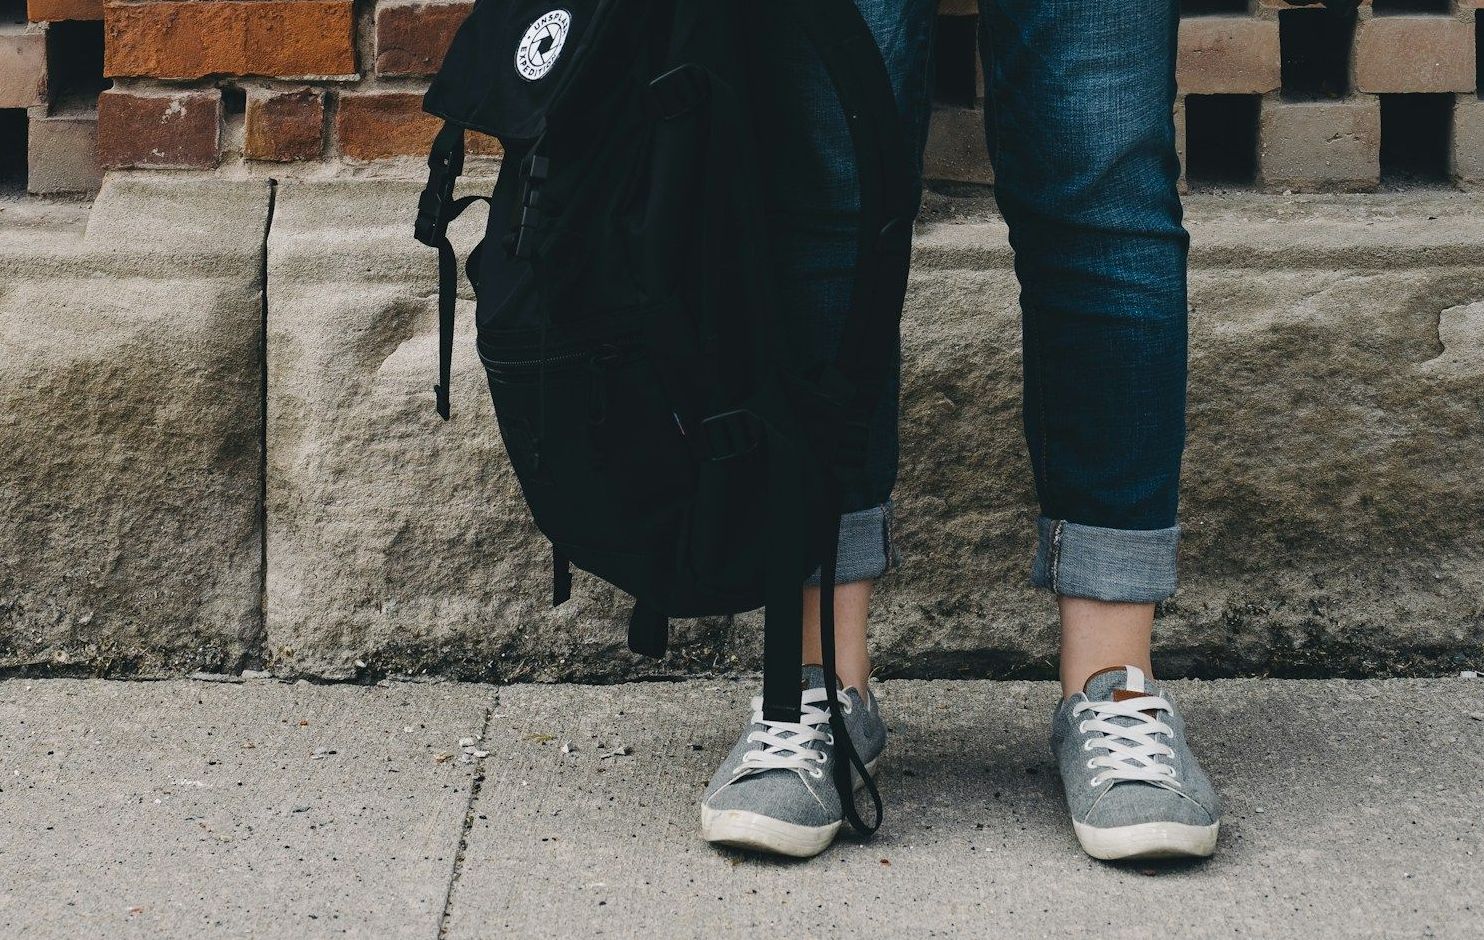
pixel 263 809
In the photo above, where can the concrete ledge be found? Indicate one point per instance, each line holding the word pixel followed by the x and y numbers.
pixel 1337 434
pixel 130 423
pixel 1332 504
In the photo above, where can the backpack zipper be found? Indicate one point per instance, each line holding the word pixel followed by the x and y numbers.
pixel 602 355
pixel 531 365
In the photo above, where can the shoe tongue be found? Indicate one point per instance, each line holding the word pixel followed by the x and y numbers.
pixel 1116 683
pixel 813 677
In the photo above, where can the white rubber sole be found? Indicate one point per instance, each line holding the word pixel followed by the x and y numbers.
pixel 1147 840
pixel 755 832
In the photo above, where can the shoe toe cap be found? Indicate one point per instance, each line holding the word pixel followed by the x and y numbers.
pixel 777 794
pixel 1135 803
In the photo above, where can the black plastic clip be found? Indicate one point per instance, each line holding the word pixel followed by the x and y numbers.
pixel 445 164
pixel 534 171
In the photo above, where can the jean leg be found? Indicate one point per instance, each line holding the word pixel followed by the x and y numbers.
pixel 1080 95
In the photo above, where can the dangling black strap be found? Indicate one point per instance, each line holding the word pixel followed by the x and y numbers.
pixel 436 209
pixel 788 525
pixel 846 756
pixel 561 577
pixel 649 631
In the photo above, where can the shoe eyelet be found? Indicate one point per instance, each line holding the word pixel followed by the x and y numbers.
pixel 1087 745
pixel 816 773
pixel 1092 762
pixel 829 739
pixel 1081 727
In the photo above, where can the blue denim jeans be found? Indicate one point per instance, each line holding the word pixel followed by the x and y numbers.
pixel 1078 120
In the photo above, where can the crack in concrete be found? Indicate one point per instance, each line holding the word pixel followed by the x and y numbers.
pixel 254 653
pixel 468 825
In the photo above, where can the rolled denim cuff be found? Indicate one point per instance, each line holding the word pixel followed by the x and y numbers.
pixel 1132 565
pixel 865 551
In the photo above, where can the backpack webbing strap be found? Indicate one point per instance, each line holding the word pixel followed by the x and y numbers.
pixel 787 526
pixel 649 630
pixel 886 187
pixel 436 209
pixel 867 353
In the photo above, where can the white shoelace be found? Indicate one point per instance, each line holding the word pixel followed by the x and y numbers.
pixel 1132 750
pixel 786 744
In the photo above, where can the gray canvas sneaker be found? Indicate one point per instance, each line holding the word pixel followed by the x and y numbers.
pixel 1134 788
pixel 775 791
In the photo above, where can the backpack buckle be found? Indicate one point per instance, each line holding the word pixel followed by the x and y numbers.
pixel 678 91
pixel 445 163
pixel 431 226
pixel 730 434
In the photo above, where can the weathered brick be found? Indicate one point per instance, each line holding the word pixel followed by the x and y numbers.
pixel 411 37
pixel 22 66
pixel 381 125
pixel 1414 54
pixel 1228 55
pixel 285 126
pixel 1319 145
pixel 166 130
pixel 1468 140
pixel 481 145
pixel 378 125
pixel 53 10
pixel 62 153
pixel 286 38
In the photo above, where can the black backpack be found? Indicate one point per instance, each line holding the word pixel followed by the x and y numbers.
pixel 669 432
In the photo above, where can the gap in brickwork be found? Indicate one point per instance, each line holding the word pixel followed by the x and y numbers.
pixel 1221 139
pixel 234 100
pixel 955 60
pixel 1416 132
pixel 12 150
pixel 1410 7
pixel 1315 48
pixel 1212 7
pixel 12 11
pixel 74 64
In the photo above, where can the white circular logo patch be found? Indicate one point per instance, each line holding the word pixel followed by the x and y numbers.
pixel 542 43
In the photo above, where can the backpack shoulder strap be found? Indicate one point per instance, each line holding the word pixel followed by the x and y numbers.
pixel 868 347
pixel 886 185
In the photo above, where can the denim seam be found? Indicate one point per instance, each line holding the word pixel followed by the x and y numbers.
pixel 1056 532
pixel 886 540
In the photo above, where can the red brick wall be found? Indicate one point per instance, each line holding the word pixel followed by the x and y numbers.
pixel 1274 94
